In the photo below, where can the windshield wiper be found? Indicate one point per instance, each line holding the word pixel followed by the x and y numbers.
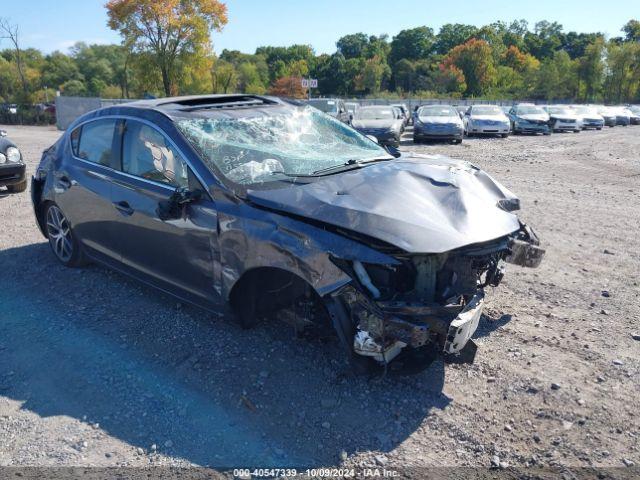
pixel 348 165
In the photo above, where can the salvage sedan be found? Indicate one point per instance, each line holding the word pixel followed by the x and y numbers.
pixel 283 212
pixel 563 119
pixel 486 120
pixel 382 122
pixel 528 118
pixel 437 122
pixel 589 117
pixel 12 167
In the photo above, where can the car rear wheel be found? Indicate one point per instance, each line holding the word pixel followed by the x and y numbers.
pixel 18 187
pixel 64 245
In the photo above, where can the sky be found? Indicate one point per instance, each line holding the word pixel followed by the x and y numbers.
pixel 56 25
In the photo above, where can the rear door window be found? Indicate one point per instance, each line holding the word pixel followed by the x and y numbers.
pixel 96 141
pixel 149 154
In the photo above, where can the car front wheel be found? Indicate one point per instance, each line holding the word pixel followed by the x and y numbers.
pixel 64 245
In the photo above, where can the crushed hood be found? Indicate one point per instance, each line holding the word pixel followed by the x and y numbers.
pixel 534 116
pixel 420 204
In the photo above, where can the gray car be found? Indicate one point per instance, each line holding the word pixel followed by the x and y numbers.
pixel 382 122
pixel 286 215
pixel 332 106
pixel 437 122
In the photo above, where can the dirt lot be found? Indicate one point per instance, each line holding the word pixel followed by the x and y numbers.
pixel 96 369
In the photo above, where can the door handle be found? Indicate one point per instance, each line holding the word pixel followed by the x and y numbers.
pixel 124 208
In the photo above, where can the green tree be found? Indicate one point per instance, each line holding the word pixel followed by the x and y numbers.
pixel 59 68
pixel 167 30
pixel 405 75
pixel 452 35
pixel 632 30
pixel 412 44
pixel 475 59
pixel 623 72
pixel 224 77
pixel 591 70
pixel 353 45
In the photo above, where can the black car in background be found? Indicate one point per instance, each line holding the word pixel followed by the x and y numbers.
pixel 284 213
pixel 332 106
pixel 381 121
pixel 12 167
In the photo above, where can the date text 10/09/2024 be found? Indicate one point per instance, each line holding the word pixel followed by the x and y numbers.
pixel 243 473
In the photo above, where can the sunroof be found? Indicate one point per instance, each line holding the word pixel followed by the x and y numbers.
pixel 225 101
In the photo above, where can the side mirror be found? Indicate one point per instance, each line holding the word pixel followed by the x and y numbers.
pixel 372 138
pixel 393 151
pixel 3 133
pixel 174 207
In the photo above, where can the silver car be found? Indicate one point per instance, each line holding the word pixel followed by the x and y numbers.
pixel 588 116
pixel 486 120
pixel 563 119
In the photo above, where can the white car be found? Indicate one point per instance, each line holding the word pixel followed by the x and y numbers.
pixel 588 117
pixel 563 119
pixel 486 120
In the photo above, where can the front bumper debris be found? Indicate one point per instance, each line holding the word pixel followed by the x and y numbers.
pixel 464 326
pixel 381 329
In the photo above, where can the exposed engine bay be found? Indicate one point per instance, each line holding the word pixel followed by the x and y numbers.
pixel 431 301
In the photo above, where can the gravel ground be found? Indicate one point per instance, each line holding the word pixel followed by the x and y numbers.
pixel 98 370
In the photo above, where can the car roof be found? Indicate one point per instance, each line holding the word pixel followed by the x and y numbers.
pixel 195 107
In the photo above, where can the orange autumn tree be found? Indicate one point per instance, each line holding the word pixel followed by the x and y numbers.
pixel 474 59
pixel 289 86
pixel 167 29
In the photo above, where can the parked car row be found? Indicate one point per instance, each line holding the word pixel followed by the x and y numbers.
pixel 452 123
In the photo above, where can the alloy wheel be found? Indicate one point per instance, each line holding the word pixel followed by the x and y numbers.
pixel 59 234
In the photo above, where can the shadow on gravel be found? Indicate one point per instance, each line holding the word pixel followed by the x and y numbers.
pixel 489 324
pixel 93 345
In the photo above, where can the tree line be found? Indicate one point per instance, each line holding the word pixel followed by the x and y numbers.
pixel 168 51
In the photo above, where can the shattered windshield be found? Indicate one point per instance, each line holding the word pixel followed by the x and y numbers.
pixel 272 147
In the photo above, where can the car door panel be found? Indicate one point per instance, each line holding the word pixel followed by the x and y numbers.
pixel 83 192
pixel 178 253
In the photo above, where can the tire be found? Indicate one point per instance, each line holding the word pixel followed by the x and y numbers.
pixel 504 135
pixel 456 141
pixel 598 128
pixel 546 133
pixel 63 243
pixel 17 187
pixel 577 131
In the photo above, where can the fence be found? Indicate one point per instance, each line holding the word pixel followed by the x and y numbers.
pixel 70 108
pixel 25 115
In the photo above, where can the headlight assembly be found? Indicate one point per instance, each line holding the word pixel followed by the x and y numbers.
pixel 13 155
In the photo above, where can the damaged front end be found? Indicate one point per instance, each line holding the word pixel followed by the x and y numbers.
pixel 432 301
